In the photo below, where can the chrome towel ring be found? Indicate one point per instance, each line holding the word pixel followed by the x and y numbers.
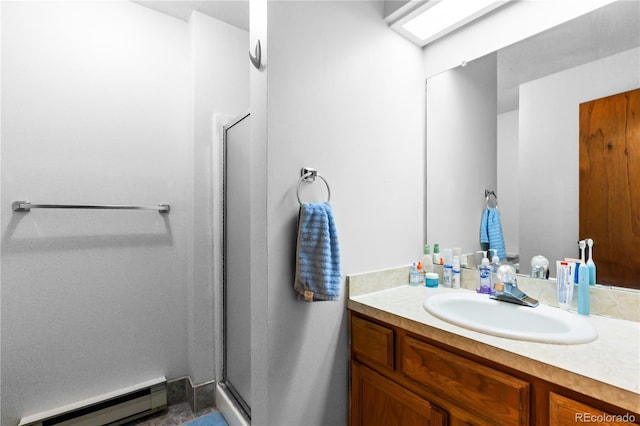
pixel 307 174
pixel 487 194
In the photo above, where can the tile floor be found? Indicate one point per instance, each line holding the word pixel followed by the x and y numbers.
pixel 174 415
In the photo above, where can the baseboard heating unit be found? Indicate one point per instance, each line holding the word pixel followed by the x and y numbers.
pixel 113 408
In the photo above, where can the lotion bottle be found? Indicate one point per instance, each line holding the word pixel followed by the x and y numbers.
pixel 427 264
pixel 427 259
pixel 455 281
pixel 447 274
pixel 436 254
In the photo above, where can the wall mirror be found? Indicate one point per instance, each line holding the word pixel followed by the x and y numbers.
pixel 533 145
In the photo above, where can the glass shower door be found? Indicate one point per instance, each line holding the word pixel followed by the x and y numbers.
pixel 236 255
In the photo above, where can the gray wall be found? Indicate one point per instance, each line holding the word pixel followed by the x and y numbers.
pixel 345 95
pixel 219 89
pixel 548 152
pixel 98 107
pixel 461 152
pixel 508 180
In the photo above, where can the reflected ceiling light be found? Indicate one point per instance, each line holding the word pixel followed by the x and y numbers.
pixel 439 17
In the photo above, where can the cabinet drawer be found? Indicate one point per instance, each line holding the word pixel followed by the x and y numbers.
pixel 372 343
pixel 488 393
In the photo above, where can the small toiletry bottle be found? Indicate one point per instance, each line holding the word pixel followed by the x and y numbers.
pixel 485 277
pixel 457 251
pixel 427 264
pixel 414 275
pixel 464 260
pixel 436 254
pixel 455 280
pixel 447 273
pixel 583 289
pixel 426 252
pixel 495 261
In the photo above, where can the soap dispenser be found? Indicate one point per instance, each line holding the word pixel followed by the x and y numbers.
pixel 485 276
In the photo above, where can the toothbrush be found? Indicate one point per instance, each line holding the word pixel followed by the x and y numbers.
pixel 591 264
pixel 583 283
pixel 582 244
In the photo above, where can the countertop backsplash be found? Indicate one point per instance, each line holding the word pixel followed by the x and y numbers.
pixel 615 302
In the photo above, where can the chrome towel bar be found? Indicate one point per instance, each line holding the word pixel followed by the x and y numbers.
pixel 26 206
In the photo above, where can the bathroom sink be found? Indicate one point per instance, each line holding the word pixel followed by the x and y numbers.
pixel 480 313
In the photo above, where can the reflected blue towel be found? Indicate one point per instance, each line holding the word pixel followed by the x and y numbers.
pixel 491 231
pixel 317 253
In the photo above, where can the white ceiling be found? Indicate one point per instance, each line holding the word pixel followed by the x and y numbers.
pixel 233 12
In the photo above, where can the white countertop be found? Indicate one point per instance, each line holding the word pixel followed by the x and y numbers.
pixel 607 368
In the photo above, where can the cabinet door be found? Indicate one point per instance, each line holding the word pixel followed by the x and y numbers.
pixel 371 343
pixel 377 401
pixel 565 411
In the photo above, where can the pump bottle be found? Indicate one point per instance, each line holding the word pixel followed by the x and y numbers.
pixel 485 276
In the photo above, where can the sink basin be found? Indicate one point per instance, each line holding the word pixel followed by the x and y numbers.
pixel 480 313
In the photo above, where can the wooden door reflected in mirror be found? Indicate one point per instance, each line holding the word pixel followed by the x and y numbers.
pixel 610 186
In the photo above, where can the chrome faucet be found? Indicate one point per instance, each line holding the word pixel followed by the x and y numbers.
pixel 508 291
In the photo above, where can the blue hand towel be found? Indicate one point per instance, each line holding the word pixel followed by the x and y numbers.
pixel 317 253
pixel 491 231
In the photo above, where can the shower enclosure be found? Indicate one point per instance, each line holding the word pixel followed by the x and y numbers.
pixel 236 369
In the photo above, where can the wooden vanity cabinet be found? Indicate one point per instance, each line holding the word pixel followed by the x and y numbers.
pixel 375 399
pixel 398 378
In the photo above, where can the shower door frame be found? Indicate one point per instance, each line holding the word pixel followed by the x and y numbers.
pixel 224 381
